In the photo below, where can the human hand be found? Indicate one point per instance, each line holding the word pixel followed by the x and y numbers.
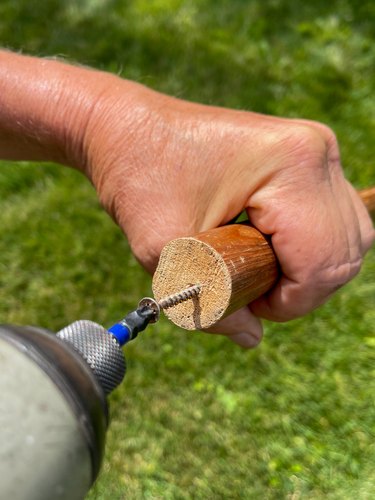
pixel 166 168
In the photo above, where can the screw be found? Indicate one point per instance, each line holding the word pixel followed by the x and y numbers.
pixel 177 298
pixel 151 307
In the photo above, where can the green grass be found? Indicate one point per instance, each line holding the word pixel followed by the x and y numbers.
pixel 197 417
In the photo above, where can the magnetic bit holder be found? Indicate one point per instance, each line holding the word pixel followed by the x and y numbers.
pixel 148 311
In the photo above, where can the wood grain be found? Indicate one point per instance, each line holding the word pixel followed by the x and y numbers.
pixel 234 265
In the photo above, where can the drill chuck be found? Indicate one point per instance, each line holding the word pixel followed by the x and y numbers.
pixel 99 349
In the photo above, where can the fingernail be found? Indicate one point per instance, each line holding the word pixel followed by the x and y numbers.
pixel 245 339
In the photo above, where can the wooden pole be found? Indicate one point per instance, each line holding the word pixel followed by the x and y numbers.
pixel 234 265
pixel 368 198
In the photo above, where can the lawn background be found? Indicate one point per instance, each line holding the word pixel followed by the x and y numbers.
pixel 197 417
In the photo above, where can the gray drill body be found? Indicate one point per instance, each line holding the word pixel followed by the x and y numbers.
pixel 43 452
pixel 53 409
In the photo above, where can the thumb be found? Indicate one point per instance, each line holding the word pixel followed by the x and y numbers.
pixel 242 327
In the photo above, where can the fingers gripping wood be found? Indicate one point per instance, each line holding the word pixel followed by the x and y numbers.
pixel 233 264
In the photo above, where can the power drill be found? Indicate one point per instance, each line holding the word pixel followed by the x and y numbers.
pixel 53 403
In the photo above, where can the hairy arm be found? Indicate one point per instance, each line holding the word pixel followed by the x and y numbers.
pixel 165 168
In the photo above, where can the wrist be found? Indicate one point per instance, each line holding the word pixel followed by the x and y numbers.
pixel 45 107
pixel 123 127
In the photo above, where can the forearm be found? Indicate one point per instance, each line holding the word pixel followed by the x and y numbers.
pixel 166 168
pixel 46 106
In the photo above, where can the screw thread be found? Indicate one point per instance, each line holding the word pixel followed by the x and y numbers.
pixel 177 298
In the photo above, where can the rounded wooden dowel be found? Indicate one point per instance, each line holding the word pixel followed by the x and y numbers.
pixel 368 198
pixel 233 264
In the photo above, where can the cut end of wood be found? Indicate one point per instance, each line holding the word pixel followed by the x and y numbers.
pixel 185 262
pixel 233 265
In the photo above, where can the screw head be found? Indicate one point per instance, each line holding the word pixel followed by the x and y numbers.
pixel 151 303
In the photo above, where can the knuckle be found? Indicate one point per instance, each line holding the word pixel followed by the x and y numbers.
pixel 337 276
pixel 312 147
pixel 330 139
pixel 312 136
pixel 330 136
pixel 326 131
pixel 306 144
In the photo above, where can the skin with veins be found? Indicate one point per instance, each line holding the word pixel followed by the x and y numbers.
pixel 166 168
